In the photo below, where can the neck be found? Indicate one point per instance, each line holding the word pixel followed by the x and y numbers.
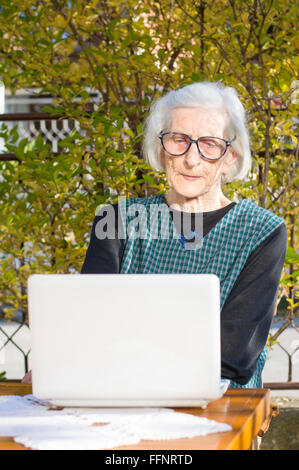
pixel 202 203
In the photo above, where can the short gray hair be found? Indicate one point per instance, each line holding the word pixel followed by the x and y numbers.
pixel 206 95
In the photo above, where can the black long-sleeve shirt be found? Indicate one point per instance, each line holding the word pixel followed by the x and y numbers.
pixel 247 313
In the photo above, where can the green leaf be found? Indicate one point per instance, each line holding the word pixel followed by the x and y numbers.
pixel 292 257
pixel 3 376
pixel 148 178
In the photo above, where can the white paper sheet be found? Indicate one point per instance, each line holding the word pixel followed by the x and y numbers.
pixel 31 423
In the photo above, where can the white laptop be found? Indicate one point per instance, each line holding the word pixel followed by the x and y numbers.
pixel 125 339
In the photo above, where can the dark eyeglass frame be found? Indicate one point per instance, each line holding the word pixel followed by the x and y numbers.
pixel 196 141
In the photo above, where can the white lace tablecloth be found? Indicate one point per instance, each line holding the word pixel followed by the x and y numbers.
pixel 33 423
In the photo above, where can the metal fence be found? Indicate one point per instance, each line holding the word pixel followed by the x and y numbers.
pixel 9 338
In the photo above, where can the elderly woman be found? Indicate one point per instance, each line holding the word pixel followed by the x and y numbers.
pixel 198 136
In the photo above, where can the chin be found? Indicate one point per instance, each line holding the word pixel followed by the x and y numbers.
pixel 188 192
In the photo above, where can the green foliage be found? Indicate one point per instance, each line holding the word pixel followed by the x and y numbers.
pixel 121 56
pixel 3 376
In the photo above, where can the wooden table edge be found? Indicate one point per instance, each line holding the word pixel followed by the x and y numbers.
pixel 241 440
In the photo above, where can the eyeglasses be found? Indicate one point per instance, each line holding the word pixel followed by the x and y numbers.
pixel 210 148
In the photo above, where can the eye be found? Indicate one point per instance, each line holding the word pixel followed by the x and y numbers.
pixel 180 139
pixel 209 143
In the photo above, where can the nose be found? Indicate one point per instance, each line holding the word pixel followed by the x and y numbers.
pixel 192 157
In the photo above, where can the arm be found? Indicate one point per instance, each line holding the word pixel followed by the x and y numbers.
pixel 103 256
pixel 247 313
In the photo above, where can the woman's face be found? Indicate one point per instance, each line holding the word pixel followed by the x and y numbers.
pixel 189 175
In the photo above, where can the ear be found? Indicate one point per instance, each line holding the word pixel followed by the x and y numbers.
pixel 229 161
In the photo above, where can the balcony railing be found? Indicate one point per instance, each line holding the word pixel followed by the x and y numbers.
pixel 30 125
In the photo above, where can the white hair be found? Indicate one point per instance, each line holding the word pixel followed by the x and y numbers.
pixel 206 95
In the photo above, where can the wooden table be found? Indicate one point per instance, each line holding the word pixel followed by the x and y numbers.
pixel 246 410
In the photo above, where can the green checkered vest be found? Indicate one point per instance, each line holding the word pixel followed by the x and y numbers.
pixel 223 252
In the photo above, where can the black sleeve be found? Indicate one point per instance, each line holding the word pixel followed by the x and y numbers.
pixel 247 313
pixel 103 256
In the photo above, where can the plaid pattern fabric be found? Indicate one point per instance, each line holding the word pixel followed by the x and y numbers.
pixel 223 251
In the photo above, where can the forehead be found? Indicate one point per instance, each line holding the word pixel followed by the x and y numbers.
pixel 199 121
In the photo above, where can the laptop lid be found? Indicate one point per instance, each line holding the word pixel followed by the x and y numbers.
pixel 125 339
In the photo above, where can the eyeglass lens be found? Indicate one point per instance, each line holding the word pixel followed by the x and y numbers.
pixel 178 144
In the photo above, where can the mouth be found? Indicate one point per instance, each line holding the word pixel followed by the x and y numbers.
pixel 190 178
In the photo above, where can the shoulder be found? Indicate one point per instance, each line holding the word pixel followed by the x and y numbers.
pixel 102 209
pixel 274 246
pixel 257 217
pixel 279 235
pixel 253 224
